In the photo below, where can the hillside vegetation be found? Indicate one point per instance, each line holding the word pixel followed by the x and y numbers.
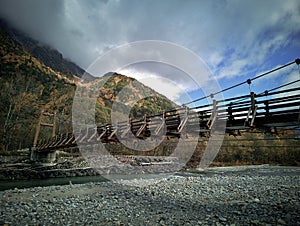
pixel 282 148
pixel 28 86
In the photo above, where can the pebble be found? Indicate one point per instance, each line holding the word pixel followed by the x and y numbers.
pixel 220 199
pixel 256 200
pixel 222 219
pixel 282 222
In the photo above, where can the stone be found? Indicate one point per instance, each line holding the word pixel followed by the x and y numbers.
pixel 282 222
pixel 256 200
pixel 222 219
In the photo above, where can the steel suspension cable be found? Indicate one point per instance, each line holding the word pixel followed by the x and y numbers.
pixel 248 81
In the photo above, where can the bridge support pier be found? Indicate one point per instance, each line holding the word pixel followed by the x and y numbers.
pixel 42 157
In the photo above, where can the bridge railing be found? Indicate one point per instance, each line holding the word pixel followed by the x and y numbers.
pixel 268 109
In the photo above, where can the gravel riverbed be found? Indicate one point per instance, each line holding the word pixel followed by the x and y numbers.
pixel 251 197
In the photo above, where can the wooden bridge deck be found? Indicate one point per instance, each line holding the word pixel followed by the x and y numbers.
pixel 263 111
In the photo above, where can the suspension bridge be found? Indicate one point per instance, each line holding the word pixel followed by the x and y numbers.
pixel 267 111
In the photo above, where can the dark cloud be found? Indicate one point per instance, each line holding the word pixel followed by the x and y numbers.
pixel 83 30
pixel 34 17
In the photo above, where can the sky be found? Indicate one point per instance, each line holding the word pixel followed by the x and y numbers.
pixel 234 39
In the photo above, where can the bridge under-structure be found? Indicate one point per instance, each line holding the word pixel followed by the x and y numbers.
pixel 266 112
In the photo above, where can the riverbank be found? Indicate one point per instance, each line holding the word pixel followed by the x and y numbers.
pixel 230 196
pixel 79 167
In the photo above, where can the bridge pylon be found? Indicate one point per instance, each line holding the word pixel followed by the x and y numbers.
pixel 42 123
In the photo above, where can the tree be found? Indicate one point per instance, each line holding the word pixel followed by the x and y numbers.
pixel 16 90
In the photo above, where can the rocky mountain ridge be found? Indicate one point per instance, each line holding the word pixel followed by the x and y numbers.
pixel 29 85
pixel 44 53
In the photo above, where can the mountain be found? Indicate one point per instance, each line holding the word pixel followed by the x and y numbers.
pixel 31 82
pixel 128 95
pixel 44 53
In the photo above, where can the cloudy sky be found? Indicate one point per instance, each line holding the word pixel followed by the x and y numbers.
pixel 235 39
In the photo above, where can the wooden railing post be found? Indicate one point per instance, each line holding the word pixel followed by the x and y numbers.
pixel 252 111
pixel 54 125
pixel 213 116
pixel 230 113
pixel 38 129
pixel 267 113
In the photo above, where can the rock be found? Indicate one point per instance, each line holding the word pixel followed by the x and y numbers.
pixel 255 222
pixel 222 219
pixel 256 200
pixel 282 222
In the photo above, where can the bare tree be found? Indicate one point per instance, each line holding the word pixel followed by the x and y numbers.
pixel 15 98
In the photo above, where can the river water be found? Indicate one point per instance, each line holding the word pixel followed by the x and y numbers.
pixel 236 170
pixel 5 185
